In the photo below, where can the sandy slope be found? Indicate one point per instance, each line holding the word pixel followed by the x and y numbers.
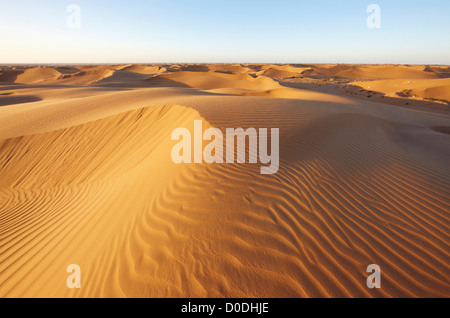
pixel 213 80
pixel 431 89
pixel 86 178
pixel 377 71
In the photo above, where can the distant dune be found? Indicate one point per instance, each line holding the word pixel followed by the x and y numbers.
pixel 217 80
pixel 86 178
pixel 375 72
pixel 425 89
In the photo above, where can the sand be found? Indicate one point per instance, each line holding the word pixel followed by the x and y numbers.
pixel 437 89
pixel 86 178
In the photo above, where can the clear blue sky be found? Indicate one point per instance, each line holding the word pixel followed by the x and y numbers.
pixel 140 31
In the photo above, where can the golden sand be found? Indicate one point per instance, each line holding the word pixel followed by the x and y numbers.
pixel 86 178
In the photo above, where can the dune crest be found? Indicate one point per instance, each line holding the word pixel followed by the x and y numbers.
pixel 425 89
pixel 212 80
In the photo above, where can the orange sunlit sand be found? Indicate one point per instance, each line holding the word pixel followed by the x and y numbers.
pixel 86 177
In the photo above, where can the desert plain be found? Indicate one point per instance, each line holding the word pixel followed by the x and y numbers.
pixel 86 178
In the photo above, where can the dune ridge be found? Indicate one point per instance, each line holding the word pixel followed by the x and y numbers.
pixel 426 89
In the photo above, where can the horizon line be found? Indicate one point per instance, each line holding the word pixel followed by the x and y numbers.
pixel 250 63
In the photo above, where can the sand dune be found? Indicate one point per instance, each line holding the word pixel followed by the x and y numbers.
pixel 281 71
pixel 374 71
pixel 13 98
pixel 87 76
pixel 235 68
pixel 276 73
pixel 86 178
pixel 31 75
pixel 291 93
pixel 9 76
pixel 142 69
pixel 426 89
pixel 212 80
